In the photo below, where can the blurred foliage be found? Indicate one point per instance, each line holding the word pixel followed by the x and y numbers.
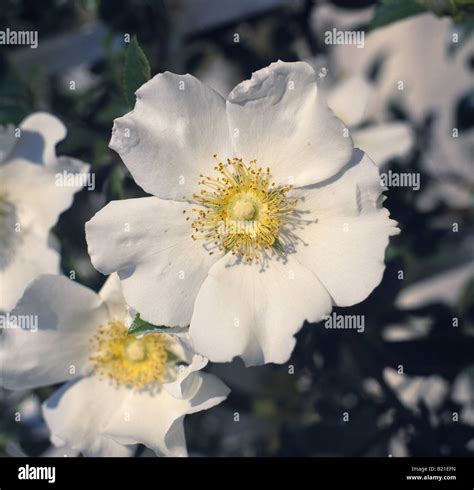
pixel 295 409
pixel 390 11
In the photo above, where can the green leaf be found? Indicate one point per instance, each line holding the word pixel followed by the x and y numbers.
pixel 137 70
pixel 140 326
pixel 459 10
pixel 390 11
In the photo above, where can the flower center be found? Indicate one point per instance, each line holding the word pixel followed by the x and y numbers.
pixel 243 209
pixel 128 360
pixel 135 351
pixel 242 212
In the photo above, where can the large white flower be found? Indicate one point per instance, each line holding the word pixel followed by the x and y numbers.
pixel 284 222
pixel 31 201
pixel 121 390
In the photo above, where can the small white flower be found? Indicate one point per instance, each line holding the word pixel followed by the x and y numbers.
pixel 121 390
pixel 284 222
pixel 31 201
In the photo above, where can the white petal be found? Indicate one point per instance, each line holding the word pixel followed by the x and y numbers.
pixel 281 119
pixel 345 244
pixel 30 257
pixel 349 100
pixel 112 295
pixel 60 451
pixel 385 141
pixel 170 137
pixel 78 412
pixel 34 192
pixel 183 376
pixel 186 376
pixel 148 242
pixel 156 420
pixel 242 310
pixel 66 314
pixel 40 132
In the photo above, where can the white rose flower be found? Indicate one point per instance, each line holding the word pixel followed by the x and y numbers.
pixel 285 223
pixel 121 390
pixel 31 200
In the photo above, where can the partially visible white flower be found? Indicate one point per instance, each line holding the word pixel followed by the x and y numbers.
pixel 351 100
pixel 120 390
pixel 416 67
pixel 262 214
pixel 31 201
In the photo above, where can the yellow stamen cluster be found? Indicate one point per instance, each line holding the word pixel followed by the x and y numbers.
pixel 242 210
pixel 127 360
